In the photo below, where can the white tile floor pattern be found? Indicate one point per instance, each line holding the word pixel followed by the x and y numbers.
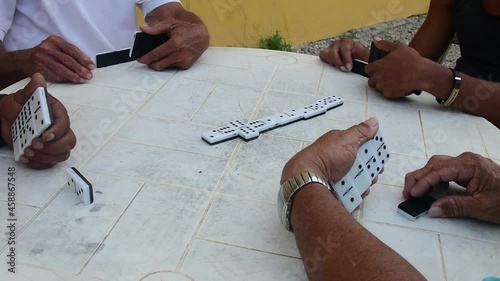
pixel 168 206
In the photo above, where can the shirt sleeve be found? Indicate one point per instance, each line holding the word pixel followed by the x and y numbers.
pixel 149 5
pixel 7 11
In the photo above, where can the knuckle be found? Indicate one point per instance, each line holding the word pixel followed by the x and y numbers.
pixel 455 207
pixel 470 155
pixel 67 61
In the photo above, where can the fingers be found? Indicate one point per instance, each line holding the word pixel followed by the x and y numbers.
pixel 60 70
pixel 61 146
pixel 384 45
pixel 155 28
pixel 339 54
pixel 76 55
pixel 160 53
pixel 364 131
pixel 61 122
pixel 62 61
pixel 439 169
pixel 33 164
pixel 456 206
pixel 22 96
pixel 41 157
pixel 346 49
pixel 366 193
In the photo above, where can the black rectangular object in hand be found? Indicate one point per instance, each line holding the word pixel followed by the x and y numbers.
pixel 112 58
pixel 145 43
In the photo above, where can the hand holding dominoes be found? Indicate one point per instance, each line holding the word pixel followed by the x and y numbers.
pixel 351 159
pixel 36 125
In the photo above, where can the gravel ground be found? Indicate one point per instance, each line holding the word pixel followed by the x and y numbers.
pixel 401 30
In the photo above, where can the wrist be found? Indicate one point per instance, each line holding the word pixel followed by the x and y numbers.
pixel 22 58
pixel 312 200
pixel 295 166
pixel 436 80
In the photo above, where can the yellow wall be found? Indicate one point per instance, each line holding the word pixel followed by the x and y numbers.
pixel 243 22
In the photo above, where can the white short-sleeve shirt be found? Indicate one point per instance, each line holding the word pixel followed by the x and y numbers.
pixel 94 26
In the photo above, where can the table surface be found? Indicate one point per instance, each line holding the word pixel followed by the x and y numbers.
pixel 168 206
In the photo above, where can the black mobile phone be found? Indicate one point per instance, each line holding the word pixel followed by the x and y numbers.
pixel 414 208
pixel 145 43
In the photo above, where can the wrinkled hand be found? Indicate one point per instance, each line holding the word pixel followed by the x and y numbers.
pixel 341 53
pixel 332 155
pixel 59 61
pixel 397 74
pixel 187 43
pixel 55 144
pixel 480 177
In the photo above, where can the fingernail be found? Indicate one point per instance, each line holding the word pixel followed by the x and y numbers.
pixel 38 145
pixel 91 66
pixel 49 137
pixel 30 152
pixel 349 67
pixel 24 160
pixel 376 38
pixel 435 212
pixel 343 68
pixel 372 122
pixel 89 76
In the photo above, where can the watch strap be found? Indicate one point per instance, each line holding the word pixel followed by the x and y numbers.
pixel 289 188
pixel 457 81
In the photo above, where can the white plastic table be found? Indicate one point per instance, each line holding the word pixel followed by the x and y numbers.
pixel 168 206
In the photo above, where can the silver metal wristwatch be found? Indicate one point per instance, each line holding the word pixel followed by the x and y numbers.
pixel 288 190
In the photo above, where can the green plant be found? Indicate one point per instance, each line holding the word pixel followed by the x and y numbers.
pixel 275 42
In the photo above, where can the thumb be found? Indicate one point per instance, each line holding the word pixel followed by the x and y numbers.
pixel 157 27
pixel 453 206
pixel 364 131
pixel 37 81
pixel 385 45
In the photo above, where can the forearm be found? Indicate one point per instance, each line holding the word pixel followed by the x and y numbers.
pixel 436 33
pixel 334 246
pixel 478 97
pixel 11 66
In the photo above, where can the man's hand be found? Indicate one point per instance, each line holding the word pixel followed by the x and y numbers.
pixel 55 143
pixel 187 43
pixel 333 154
pixel 341 53
pixel 398 73
pixel 480 177
pixel 59 61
